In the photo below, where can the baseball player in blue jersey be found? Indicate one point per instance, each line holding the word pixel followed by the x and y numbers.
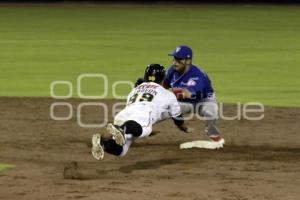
pixel 194 90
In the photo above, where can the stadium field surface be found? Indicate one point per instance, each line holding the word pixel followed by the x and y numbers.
pixel 251 53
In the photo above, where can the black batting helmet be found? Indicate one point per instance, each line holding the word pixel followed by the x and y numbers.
pixel 155 73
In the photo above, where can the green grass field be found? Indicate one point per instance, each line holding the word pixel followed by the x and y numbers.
pixel 251 53
pixel 6 167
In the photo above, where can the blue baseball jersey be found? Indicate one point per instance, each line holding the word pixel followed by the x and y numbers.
pixel 195 80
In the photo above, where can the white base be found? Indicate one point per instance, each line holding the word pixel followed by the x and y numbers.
pixel 202 144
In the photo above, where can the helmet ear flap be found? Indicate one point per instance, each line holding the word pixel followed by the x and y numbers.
pixel 151 78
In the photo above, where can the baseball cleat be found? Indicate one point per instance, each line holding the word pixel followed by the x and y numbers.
pixel 218 139
pixel 117 134
pixel 97 149
pixel 106 135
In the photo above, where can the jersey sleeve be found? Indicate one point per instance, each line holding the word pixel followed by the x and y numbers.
pixel 174 108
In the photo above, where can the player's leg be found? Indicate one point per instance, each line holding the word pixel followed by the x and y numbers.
pixel 130 130
pixel 116 133
pixel 128 124
pixel 186 108
pixel 133 128
pixel 110 141
pixel 210 111
pixel 128 127
pixel 109 145
pixel 97 148
pixel 102 144
pixel 129 140
pixel 122 124
pixel 127 132
pixel 135 120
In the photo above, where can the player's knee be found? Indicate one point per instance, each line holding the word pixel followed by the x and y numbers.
pixel 111 147
pixel 134 128
pixel 210 111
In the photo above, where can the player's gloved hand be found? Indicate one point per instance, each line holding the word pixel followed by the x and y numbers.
pixel 181 93
pixel 139 81
pixel 185 128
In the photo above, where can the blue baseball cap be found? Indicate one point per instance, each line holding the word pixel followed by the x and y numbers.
pixel 182 52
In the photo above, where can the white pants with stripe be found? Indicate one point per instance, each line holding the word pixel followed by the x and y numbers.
pixel 139 113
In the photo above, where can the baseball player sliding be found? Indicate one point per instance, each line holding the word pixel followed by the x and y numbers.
pixel 147 104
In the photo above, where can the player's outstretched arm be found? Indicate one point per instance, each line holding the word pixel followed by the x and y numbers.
pixel 180 123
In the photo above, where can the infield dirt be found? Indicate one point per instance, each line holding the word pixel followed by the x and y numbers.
pixel 261 159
